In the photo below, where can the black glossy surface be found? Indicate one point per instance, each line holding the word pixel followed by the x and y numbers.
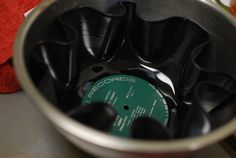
pixel 89 45
pixel 100 116
pixel 197 122
pixel 149 129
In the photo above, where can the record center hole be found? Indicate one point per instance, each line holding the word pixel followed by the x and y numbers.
pixel 97 69
pixel 126 107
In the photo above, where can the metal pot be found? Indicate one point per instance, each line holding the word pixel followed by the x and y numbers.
pixel 215 20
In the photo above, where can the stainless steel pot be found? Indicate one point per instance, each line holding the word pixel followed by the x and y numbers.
pixel 215 20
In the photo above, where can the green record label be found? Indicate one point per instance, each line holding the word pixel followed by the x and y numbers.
pixel 132 97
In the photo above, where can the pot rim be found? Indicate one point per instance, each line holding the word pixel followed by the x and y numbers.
pixel 90 135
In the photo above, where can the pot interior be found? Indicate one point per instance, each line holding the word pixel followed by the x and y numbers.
pixel 184 49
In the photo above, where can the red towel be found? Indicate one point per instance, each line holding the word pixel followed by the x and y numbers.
pixel 11 16
pixel 233 7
